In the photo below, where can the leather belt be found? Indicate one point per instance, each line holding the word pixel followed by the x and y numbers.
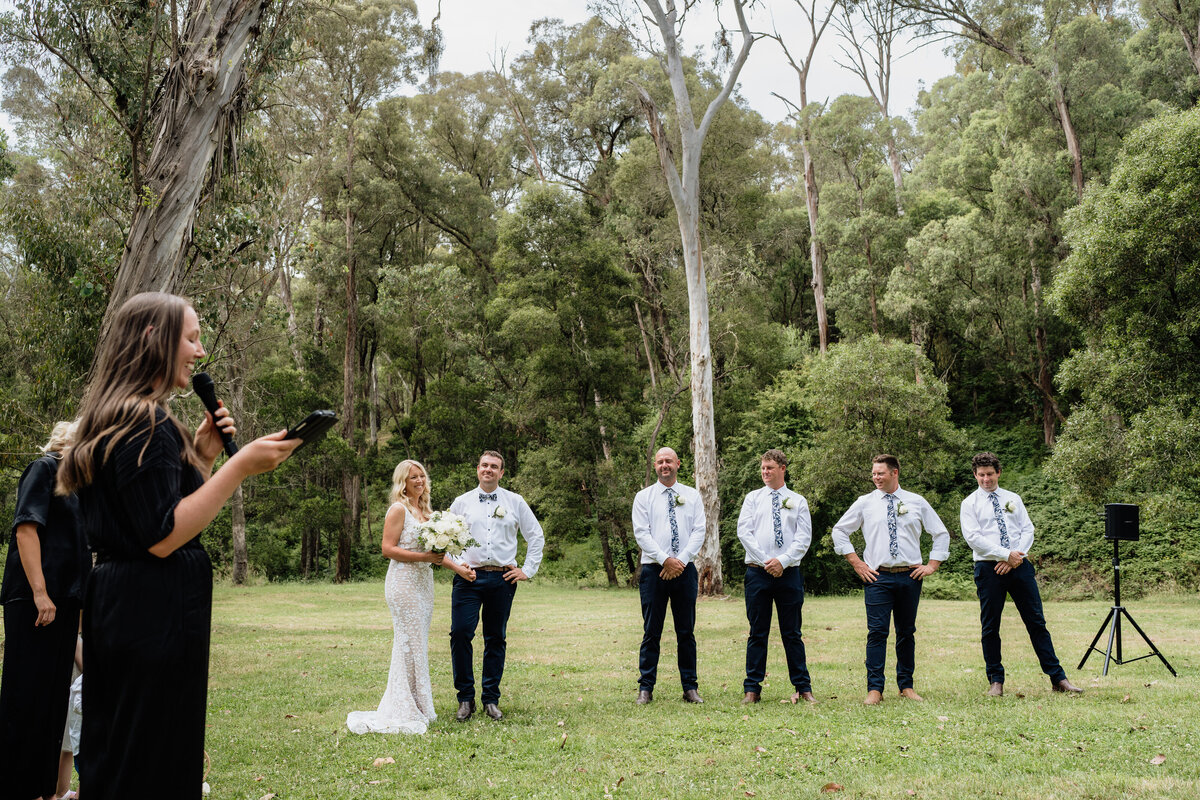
pixel 897 570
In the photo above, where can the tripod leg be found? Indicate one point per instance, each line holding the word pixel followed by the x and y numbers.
pixel 1112 635
pixel 1149 643
pixel 1092 646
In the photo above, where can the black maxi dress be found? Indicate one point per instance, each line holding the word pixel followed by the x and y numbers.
pixel 146 625
pixel 36 684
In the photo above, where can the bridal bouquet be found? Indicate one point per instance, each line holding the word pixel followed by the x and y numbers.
pixel 445 532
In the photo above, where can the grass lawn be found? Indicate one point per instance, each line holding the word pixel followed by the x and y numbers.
pixel 289 661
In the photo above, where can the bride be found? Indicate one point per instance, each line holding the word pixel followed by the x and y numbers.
pixel 407 704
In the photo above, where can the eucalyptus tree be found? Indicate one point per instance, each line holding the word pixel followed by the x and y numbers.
pixel 818 15
pixel 683 182
pixel 173 80
pixel 361 51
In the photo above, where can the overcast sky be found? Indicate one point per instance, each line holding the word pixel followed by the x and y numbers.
pixel 475 31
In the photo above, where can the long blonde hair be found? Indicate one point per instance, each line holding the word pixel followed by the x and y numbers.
pixel 131 383
pixel 399 476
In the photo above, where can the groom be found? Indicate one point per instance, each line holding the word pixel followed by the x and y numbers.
pixel 494 516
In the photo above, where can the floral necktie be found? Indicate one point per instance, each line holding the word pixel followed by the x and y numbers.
pixel 775 517
pixel 674 522
pixel 999 515
pixel 893 541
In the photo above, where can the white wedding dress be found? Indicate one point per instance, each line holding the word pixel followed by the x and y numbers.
pixel 407 705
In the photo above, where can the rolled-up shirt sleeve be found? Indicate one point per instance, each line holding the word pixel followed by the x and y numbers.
pixel 851 521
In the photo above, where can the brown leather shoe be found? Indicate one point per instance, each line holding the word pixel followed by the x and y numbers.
pixel 644 696
pixel 996 690
pixel 874 697
pixel 910 694
pixel 465 709
pixel 493 711
pixel 751 697
pixel 1066 686
pixel 692 696
pixel 805 696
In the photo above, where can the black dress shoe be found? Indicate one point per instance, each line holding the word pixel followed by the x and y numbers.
pixel 465 709
pixel 692 696
pixel 644 696
pixel 493 711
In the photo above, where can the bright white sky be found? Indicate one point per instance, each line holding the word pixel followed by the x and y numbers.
pixel 475 31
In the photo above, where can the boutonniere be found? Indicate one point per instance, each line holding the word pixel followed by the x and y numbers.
pixel 500 513
pixel 1008 507
pixel 901 509
pixel 789 503
pixel 678 499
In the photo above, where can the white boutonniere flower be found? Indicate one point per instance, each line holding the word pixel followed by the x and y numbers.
pixel 678 499
pixel 500 513
pixel 789 503
pixel 901 509
pixel 1008 507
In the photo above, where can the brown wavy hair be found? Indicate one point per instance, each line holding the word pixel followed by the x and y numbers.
pixel 131 383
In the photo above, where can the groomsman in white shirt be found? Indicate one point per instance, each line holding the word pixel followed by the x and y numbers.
pixel 776 529
pixel 668 523
pixel 495 516
pixel 891 520
pixel 997 527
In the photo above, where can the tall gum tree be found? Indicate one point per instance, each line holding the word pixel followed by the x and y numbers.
pixel 683 182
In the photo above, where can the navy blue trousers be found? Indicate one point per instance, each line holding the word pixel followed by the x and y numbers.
pixel 491 597
pixel 893 596
pixel 1021 585
pixel 785 593
pixel 681 593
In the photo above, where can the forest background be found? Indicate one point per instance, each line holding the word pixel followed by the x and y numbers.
pixel 495 262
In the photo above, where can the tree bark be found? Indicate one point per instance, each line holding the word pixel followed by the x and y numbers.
pixel 241 560
pixel 193 110
pixel 350 481
pixel 684 185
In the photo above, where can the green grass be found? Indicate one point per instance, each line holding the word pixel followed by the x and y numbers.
pixel 289 661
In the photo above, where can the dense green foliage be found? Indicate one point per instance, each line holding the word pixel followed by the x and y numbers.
pixel 515 278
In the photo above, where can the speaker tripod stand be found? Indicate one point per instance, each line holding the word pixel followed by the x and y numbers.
pixel 1114 631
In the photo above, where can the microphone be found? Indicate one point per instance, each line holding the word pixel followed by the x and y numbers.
pixel 202 383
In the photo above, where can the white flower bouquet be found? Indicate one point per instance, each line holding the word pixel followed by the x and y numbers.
pixel 445 532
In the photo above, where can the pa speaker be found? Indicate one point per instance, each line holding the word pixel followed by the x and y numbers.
pixel 1121 522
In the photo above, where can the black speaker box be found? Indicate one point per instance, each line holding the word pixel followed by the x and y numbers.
pixel 1121 522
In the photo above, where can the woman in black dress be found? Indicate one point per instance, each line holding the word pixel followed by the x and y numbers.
pixel 44 575
pixel 146 490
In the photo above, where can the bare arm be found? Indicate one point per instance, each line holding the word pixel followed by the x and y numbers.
pixel 393 526
pixel 29 548
pixel 198 509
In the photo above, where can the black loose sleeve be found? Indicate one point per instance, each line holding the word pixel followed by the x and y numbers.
pixel 148 468
pixel 35 493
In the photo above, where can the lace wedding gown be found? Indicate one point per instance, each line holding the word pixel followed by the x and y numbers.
pixel 407 705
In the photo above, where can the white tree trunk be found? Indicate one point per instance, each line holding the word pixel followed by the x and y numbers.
pixel 685 193
pixel 192 114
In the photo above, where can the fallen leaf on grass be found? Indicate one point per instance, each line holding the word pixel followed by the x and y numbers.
pixel 270 796
pixel 760 749
pixel 374 783
pixel 832 787
pixel 708 762
pixel 749 793
pixel 258 778
pixel 910 793
pixel 289 716
pixel 1158 759
pixel 561 723
pixel 943 719
pixel 563 743
pixel 582 769
pixel 1125 699
pixel 379 762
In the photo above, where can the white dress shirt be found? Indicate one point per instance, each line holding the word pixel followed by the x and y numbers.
pixel 652 523
pixel 494 524
pixel 913 513
pixel 978 520
pixel 756 527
